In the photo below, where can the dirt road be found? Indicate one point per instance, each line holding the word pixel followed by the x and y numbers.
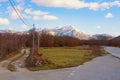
pixel 17 61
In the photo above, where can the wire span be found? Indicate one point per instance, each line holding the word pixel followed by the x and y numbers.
pixel 17 12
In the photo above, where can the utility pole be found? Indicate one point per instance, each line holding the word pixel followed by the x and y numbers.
pixel 33 39
pixel 38 40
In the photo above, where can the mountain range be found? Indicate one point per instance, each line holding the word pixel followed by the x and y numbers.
pixel 116 39
pixel 102 37
pixel 68 30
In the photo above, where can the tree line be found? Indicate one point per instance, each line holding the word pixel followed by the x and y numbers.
pixel 12 42
pixel 47 40
pixel 114 43
pixel 9 43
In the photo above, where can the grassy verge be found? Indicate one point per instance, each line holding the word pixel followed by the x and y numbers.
pixel 63 57
pixel 104 52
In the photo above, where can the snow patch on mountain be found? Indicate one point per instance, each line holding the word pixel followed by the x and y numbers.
pixel 65 31
pixel 7 31
pixel 102 36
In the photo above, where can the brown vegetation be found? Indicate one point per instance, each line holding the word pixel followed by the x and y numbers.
pixel 35 59
pixel 114 43
pixel 10 42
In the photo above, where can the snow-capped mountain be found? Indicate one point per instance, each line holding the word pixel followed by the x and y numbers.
pixel 3 31
pixel 63 31
pixel 66 31
pixel 102 36
pixel 116 38
pixel 7 31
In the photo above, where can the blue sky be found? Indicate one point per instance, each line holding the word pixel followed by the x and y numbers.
pixel 89 16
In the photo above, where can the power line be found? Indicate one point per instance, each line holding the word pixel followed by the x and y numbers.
pixel 21 18
pixel 17 12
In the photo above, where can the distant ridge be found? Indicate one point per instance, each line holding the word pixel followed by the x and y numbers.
pixel 116 38
pixel 67 30
pixel 102 37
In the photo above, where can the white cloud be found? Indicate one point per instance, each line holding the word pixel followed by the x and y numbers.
pixel 94 6
pixel 77 4
pixel 40 15
pixel 35 12
pixel 105 5
pixel 115 3
pixel 36 18
pixel 21 2
pixel 3 0
pixel 49 17
pixel 18 7
pixel 4 21
pixel 26 16
pixel 61 3
pixel 9 28
pixel 29 13
pixel 98 27
pixel 23 26
pixel 109 15
pixel 14 15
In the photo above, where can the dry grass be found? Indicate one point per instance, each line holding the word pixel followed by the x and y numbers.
pixel 63 57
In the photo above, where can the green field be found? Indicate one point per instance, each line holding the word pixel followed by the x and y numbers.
pixel 63 57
